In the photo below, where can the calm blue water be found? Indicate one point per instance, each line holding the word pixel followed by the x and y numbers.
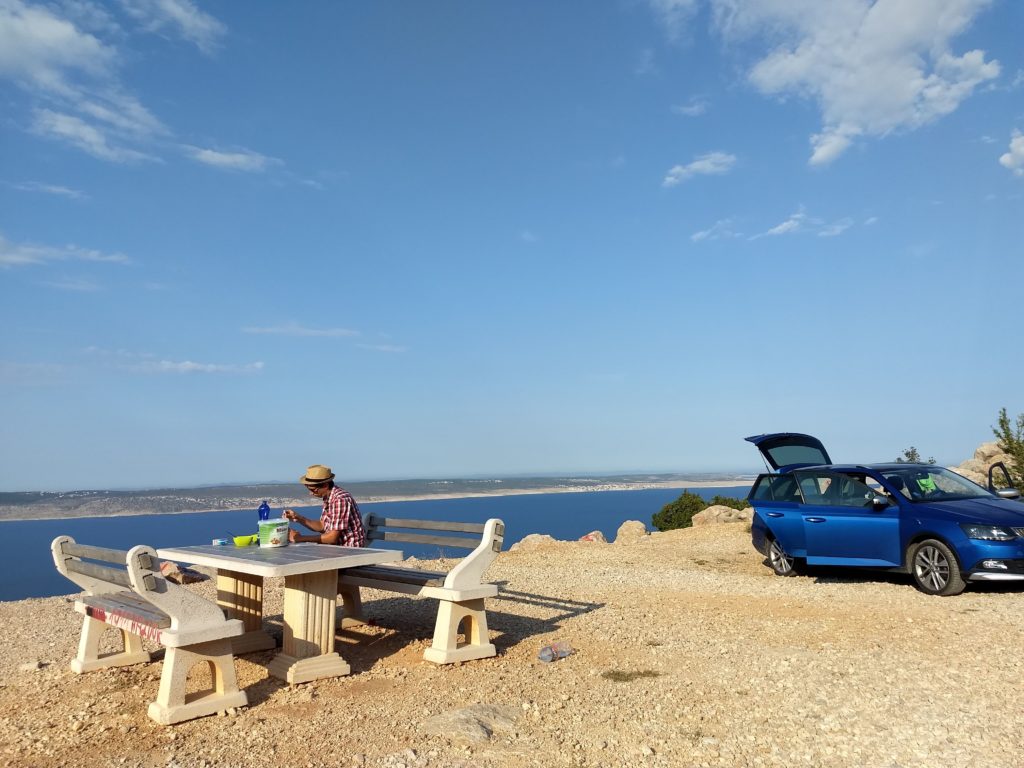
pixel 29 571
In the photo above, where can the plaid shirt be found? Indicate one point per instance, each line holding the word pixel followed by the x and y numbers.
pixel 342 514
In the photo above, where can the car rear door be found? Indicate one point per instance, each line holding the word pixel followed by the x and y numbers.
pixel 841 526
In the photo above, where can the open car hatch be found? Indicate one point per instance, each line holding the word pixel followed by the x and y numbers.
pixel 788 450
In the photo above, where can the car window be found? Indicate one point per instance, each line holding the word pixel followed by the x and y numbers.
pixel 775 488
pixel 835 489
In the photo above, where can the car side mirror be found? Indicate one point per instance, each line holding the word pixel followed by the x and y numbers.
pixel 878 503
pixel 1008 493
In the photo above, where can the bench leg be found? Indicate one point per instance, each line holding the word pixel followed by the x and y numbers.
pixel 352 606
pixel 89 657
pixel 173 706
pixel 450 616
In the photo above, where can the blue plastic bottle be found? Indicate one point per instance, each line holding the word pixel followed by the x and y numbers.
pixel 264 511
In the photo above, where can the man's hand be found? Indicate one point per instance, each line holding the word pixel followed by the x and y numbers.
pixel 291 514
pixel 293 536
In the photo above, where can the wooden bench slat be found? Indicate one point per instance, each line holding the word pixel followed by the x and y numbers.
pixel 429 525
pixel 423 538
pixel 119 605
pixel 398 575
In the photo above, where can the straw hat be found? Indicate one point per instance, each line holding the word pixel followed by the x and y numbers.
pixel 317 474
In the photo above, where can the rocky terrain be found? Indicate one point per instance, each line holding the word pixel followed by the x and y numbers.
pixel 688 652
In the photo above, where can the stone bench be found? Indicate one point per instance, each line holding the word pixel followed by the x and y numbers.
pixel 128 592
pixel 460 592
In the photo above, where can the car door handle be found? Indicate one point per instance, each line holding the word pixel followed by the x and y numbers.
pixel 814 519
pixel 774 514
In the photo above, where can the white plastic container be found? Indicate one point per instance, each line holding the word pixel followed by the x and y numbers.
pixel 274 533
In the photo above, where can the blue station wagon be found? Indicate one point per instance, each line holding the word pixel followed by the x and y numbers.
pixel 919 519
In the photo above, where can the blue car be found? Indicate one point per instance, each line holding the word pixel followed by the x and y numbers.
pixel 919 519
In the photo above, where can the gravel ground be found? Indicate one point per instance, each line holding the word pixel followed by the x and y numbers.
pixel 688 652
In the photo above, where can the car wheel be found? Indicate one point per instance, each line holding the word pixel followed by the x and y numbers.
pixel 781 563
pixel 935 569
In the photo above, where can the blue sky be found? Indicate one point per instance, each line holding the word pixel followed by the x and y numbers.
pixel 430 239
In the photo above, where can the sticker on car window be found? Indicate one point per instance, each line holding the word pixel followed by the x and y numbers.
pixel 926 484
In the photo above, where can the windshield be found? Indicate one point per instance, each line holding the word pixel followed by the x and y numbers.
pixel 919 483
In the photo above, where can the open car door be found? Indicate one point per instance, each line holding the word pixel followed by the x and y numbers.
pixel 790 450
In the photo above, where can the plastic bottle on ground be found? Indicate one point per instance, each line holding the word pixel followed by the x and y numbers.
pixel 555 651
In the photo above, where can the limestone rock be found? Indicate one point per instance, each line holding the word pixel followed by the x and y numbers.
pixel 630 531
pixel 532 542
pixel 474 724
pixel 595 536
pixel 722 514
pixel 987 453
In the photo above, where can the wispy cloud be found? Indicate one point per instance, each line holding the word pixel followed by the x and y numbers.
pixel 720 230
pixel 188 366
pixel 872 67
pixel 801 222
pixel 712 163
pixel 294 329
pixel 528 237
pixel 178 17
pixel 675 14
pixel 148 362
pixel 67 56
pixel 47 189
pixel 1014 159
pixel 85 136
pixel 835 228
pixel 645 63
pixel 242 160
pixel 695 107
pixel 25 254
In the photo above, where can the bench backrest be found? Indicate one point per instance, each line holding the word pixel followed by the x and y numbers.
pixel 485 542
pixel 137 570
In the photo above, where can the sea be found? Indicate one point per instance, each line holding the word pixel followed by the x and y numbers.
pixel 29 571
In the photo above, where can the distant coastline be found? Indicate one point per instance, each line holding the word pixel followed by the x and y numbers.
pixel 76 504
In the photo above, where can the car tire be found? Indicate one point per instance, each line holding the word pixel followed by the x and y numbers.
pixel 781 563
pixel 935 569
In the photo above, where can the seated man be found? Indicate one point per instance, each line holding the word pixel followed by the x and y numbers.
pixel 339 521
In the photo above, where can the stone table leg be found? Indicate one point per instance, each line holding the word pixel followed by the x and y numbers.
pixel 307 652
pixel 241 597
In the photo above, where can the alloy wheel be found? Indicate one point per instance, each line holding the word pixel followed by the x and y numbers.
pixel 932 567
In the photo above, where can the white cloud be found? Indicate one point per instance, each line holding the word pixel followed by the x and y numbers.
pixel 675 14
pixel 1014 159
pixel 182 17
pixel 86 136
pixel 25 254
pixel 793 224
pixel 187 366
pixel 695 107
pixel 835 228
pixel 48 189
pixel 872 67
pixel 294 329
pixel 66 56
pixel 244 160
pixel 713 163
pixel 528 237
pixel 720 230
pixel 41 50
pixel 645 63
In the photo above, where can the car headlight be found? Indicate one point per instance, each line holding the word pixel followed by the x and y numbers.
pixel 988 532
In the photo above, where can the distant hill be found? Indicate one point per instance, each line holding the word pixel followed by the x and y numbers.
pixel 99 503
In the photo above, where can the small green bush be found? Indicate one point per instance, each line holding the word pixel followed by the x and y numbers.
pixel 679 513
pixel 1010 438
